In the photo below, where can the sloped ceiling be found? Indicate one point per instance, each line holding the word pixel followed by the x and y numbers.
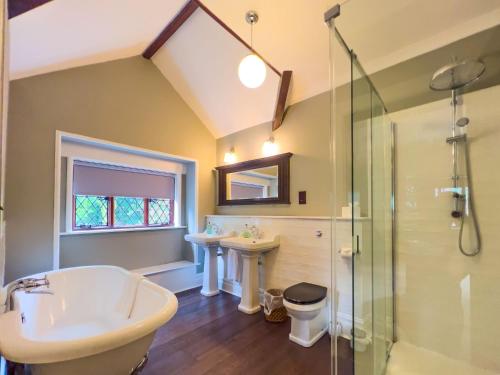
pixel 290 34
pixel 201 61
pixel 67 33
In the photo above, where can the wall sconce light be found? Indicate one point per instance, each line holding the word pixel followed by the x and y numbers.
pixel 270 147
pixel 230 157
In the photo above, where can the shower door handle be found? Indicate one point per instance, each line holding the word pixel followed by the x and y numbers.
pixel 357 251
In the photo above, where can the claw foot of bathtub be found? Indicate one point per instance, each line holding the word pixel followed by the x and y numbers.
pixel 140 366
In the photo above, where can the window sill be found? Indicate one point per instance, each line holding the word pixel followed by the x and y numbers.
pixel 118 230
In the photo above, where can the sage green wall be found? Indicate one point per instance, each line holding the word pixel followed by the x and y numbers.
pixel 126 101
pixel 306 133
pixel 130 250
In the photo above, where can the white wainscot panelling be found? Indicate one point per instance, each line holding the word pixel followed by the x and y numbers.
pixel 303 256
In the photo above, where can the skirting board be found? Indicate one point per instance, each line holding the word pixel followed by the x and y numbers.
pixel 230 286
pixel 345 321
pixel 234 288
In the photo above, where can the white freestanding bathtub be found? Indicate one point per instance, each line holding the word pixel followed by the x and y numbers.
pixel 99 320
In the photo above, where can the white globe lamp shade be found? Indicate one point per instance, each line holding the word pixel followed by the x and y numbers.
pixel 252 71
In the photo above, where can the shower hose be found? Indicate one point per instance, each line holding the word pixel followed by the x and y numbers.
pixel 473 215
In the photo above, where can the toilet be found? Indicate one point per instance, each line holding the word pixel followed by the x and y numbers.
pixel 306 304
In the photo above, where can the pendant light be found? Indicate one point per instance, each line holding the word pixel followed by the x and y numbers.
pixel 252 70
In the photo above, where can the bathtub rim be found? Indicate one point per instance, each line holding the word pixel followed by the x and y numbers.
pixel 15 347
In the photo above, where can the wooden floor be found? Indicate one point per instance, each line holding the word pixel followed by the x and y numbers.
pixel 208 335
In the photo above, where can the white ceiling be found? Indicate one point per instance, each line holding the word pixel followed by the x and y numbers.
pixel 386 32
pixel 201 61
pixel 290 34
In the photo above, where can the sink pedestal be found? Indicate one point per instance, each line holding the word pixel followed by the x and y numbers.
pixel 250 303
pixel 250 250
pixel 210 287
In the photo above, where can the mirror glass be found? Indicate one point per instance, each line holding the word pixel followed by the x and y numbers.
pixel 253 183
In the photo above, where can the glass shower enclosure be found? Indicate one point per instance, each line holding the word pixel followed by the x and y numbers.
pixel 441 246
pixel 372 225
pixel 363 159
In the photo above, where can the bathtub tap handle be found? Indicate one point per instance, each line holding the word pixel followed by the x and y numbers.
pixel 28 285
pixel 42 291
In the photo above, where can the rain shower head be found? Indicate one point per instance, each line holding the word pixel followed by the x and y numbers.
pixel 456 75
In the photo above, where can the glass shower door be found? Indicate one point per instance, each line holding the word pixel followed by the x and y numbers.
pixel 371 201
pixel 362 167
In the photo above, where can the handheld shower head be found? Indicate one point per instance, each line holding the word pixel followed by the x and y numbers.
pixel 456 75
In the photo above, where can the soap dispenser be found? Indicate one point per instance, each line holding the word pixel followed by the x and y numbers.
pixel 246 233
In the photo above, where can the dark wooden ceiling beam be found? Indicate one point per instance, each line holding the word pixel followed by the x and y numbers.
pixel 171 28
pixel 281 101
pixel 182 17
pixel 17 7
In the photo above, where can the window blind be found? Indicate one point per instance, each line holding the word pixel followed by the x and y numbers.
pixel 108 180
pixel 244 191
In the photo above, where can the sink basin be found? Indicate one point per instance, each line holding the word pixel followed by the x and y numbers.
pixel 251 244
pixel 205 239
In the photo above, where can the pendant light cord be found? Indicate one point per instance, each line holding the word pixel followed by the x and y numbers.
pixel 251 35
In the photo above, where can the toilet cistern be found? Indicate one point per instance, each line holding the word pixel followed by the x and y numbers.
pixel 210 242
pixel 250 249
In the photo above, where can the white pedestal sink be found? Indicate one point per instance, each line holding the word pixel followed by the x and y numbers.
pixel 250 249
pixel 210 244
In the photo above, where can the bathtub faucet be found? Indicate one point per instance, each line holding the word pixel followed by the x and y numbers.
pixel 28 285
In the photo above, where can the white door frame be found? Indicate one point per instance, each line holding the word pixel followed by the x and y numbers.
pixel 4 103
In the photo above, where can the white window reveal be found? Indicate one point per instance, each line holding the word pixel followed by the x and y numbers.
pixel 112 188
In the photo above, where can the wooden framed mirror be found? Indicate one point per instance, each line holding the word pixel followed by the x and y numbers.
pixel 258 181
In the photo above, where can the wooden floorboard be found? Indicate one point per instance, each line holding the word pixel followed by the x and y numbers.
pixel 208 335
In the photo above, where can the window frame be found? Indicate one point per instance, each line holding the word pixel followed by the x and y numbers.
pixel 111 216
pixel 73 219
pixel 171 212
pixel 175 212
pixel 145 225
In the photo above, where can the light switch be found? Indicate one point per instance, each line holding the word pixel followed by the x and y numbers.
pixel 302 197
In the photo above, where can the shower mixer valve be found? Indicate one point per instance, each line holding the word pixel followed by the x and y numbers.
pixel 457 213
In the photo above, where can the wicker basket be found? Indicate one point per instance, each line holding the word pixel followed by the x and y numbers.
pixel 274 310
